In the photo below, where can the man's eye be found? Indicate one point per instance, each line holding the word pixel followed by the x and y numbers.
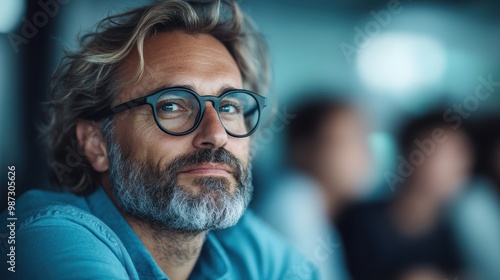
pixel 229 109
pixel 171 107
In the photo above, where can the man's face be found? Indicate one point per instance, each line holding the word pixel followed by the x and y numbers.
pixel 168 179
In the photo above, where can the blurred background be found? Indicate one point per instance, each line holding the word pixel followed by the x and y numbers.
pixel 383 66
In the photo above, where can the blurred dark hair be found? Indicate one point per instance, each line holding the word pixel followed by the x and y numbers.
pixel 309 119
pixel 421 127
pixel 486 139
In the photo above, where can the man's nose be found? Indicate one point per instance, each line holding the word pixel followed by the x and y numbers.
pixel 210 134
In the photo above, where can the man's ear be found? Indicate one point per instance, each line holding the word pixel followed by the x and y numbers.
pixel 92 142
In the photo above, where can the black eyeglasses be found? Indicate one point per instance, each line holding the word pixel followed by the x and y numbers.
pixel 178 111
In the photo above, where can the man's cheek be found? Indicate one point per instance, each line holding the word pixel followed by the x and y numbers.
pixel 242 149
pixel 164 148
pixel 140 138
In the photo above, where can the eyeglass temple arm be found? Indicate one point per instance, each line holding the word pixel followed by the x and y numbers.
pixel 250 112
pixel 122 107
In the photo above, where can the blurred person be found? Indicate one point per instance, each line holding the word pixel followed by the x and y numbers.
pixel 477 212
pixel 409 236
pixel 328 162
pixel 148 132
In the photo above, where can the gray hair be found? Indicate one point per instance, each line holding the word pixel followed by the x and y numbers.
pixel 87 81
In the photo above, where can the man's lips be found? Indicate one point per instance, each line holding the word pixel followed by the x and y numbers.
pixel 214 169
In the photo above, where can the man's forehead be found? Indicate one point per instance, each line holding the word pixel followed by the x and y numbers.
pixel 199 62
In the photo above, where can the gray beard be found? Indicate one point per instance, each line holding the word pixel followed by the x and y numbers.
pixel 154 196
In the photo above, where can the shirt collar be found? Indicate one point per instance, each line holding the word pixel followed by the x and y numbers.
pixel 103 208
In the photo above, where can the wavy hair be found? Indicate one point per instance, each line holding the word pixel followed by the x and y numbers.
pixel 87 81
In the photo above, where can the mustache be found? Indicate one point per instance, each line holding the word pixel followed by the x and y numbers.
pixel 220 156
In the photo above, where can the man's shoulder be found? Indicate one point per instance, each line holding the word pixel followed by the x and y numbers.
pixel 49 210
pixel 57 228
pixel 37 198
pixel 260 248
pixel 40 204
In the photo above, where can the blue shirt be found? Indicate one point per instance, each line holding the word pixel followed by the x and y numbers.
pixel 65 236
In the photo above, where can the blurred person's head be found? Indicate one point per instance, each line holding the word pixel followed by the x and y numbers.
pixel 130 106
pixel 328 140
pixel 439 154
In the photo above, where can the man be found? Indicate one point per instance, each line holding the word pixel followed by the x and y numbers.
pixel 153 110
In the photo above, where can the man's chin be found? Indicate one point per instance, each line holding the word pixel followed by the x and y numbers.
pixel 210 207
pixel 194 225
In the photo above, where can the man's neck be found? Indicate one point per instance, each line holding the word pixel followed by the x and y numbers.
pixel 175 252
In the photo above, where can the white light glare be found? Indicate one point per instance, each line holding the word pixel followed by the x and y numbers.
pixel 11 12
pixel 396 63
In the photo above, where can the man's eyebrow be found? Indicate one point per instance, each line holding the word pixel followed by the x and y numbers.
pixel 221 90
pixel 225 88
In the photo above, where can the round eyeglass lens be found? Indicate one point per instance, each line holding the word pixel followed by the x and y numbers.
pixel 177 110
pixel 239 113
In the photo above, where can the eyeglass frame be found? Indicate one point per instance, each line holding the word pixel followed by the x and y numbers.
pixel 152 100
